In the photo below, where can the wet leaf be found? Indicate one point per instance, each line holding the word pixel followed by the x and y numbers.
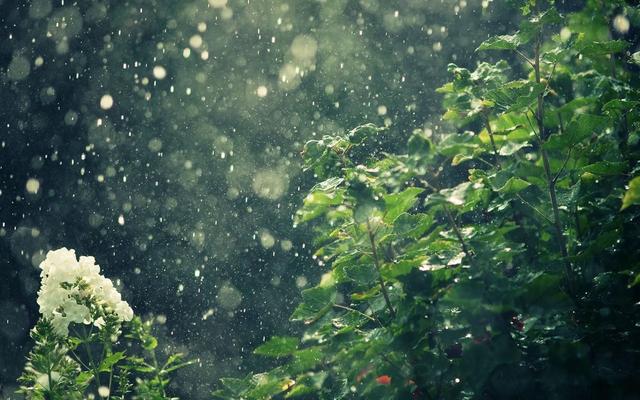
pixel 278 346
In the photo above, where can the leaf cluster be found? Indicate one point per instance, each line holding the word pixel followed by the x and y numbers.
pixel 497 261
pixel 97 361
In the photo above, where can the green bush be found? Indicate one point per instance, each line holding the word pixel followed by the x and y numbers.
pixel 498 261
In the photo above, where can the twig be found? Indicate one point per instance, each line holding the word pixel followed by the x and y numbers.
pixel 493 143
pixel 465 249
pixel 547 169
pixel 376 261
pixel 564 164
pixel 531 123
pixel 451 219
pixel 543 215
pixel 524 56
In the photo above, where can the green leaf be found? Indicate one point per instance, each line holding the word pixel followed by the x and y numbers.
pixel 620 106
pixel 362 273
pixel 513 185
pixel 580 128
pixel 593 48
pixel 318 202
pixel 267 385
pixel 419 144
pixel 503 42
pixel 306 359
pixel 84 378
pixel 400 268
pixel 237 386
pixel 544 290
pixel 412 225
pixel 360 133
pixel 605 168
pixel 456 195
pixel 110 361
pixel 315 302
pixel 398 203
pixel 632 195
pixel 299 390
pixel 278 346
pixel 149 342
pixel 635 57
pixel 511 148
pixel 515 95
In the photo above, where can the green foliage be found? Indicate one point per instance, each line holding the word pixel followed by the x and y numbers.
pixel 493 262
pixel 73 366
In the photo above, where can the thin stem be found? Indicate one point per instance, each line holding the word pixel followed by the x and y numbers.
pixel 49 382
pixel 155 366
pixel 493 143
pixel 376 261
pixel 107 351
pixel 534 208
pixel 110 380
pixel 78 359
pixel 564 165
pixel 547 168
pixel 531 123
pixel 451 219
pixel 524 56
pixel 456 230
pixel 94 367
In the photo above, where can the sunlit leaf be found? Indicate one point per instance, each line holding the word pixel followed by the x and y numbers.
pixel 398 203
pixel 632 195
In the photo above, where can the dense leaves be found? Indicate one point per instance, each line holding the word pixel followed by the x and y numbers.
pixel 85 363
pixel 497 261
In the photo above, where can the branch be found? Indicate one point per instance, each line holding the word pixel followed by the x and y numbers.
pixel 531 124
pixel 547 169
pixel 376 261
pixel 564 165
pixel 465 249
pixel 493 143
pixel 524 56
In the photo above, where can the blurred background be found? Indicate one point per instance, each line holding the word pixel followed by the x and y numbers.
pixel 163 137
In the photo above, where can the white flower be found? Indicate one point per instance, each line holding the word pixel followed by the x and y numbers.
pixel 69 286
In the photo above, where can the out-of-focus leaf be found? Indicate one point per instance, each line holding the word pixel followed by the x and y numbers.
pixel 403 267
pixel 511 148
pixel 456 195
pixel 632 195
pixel 503 42
pixel 594 48
pixel 605 168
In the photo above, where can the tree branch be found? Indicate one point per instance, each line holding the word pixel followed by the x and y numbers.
pixel 376 261
pixel 542 135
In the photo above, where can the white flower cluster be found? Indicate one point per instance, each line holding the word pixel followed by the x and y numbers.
pixel 67 284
